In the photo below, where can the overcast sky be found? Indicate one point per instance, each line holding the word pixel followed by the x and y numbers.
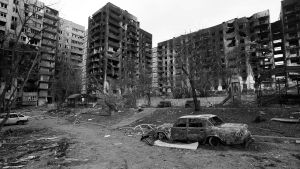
pixel 169 18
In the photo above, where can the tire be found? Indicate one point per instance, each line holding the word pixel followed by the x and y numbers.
pixel 214 141
pixel 247 143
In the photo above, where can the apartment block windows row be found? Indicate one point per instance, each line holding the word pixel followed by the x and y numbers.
pixel 3 5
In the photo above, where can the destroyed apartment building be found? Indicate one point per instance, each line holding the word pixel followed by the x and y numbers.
pixel 118 49
pixel 257 53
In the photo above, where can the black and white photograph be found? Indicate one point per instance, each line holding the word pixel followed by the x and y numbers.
pixel 149 84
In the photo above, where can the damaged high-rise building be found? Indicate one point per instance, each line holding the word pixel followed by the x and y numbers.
pixel 290 20
pixel 117 48
pixel 242 45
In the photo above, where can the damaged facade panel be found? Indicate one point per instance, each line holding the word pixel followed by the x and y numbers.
pixel 113 45
pixel 262 55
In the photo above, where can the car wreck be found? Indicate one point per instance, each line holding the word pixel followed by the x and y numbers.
pixel 205 129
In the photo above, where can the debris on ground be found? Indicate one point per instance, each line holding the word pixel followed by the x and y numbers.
pixel 191 146
pixel 107 136
pixel 286 120
pixel 22 145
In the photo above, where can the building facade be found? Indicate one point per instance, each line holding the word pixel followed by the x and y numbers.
pixel 243 46
pixel 116 46
pixel 40 33
pixel 49 52
pixel 71 42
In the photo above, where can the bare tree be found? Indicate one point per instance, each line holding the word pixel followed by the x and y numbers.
pixel 189 61
pixel 66 72
pixel 17 53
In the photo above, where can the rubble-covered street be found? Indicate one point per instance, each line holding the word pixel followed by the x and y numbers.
pixel 50 142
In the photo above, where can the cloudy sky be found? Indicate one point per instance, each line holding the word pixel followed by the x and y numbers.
pixel 169 18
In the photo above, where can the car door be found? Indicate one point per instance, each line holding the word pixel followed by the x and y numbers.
pixel 196 130
pixel 13 119
pixel 179 130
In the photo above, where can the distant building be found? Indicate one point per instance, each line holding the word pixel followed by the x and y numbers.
pixel 71 42
pixel 154 69
pixel 84 75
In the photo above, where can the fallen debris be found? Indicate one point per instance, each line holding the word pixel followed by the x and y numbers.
pixel 144 128
pixel 22 145
pixel 192 146
pixel 286 120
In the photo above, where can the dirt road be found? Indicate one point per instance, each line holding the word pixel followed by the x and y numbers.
pixel 119 151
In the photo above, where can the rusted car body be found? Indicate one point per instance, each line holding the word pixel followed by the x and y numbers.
pixel 205 128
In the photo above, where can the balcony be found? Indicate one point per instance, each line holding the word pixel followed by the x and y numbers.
pixel 45 72
pixel 50 15
pixel 50 22
pixel 46 64
pixel 49 36
pixel 49 29
pixel 48 50
pixel 113 44
pixel 47 57
pixel 114 36
pixel 48 43
pixel 34 35
pixel 44 86
pixel 2 28
pixel 114 22
pixel 113 29
pixel 77 51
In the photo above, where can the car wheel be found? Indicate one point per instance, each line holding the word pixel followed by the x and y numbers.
pixel 214 141
pixel 162 137
pixel 20 123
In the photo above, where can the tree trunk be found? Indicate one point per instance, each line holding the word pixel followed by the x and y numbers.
pixel 196 105
pixel 149 99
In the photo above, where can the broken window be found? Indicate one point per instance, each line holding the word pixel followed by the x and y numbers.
pixel 195 123
pixel 15 9
pixel 180 123
pixel 2 14
pixel 3 5
pixel 2 23
pixel 242 34
pixel 230 30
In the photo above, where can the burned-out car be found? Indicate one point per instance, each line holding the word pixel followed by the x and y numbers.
pixel 205 128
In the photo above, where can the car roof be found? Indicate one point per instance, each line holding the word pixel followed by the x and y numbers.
pixel 199 116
